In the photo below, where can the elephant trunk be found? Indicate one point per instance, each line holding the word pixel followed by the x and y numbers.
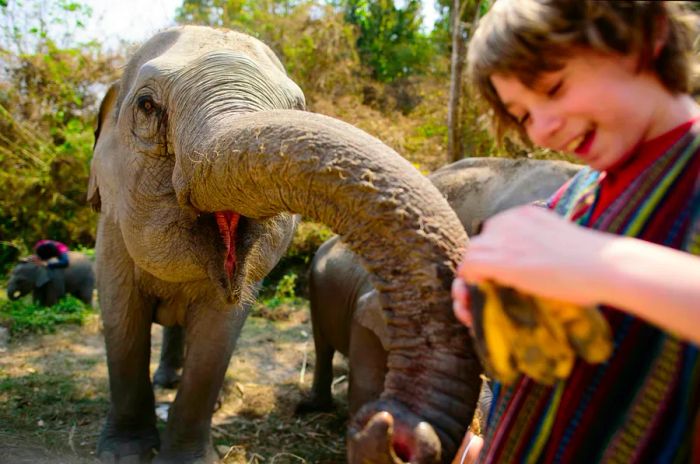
pixel 12 292
pixel 260 164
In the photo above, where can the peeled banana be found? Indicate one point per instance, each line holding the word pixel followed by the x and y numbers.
pixel 518 334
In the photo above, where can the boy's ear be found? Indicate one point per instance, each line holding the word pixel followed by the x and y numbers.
pixel 106 110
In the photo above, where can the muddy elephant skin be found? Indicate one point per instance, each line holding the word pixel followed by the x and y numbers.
pixel 346 314
pixel 47 286
pixel 202 158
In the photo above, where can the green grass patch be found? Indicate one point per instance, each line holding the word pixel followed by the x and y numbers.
pixel 22 317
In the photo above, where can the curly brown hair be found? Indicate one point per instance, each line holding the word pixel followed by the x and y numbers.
pixel 525 38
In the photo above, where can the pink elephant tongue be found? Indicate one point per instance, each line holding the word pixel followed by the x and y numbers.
pixel 228 223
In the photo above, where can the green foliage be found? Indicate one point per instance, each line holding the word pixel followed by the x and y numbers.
pixel 308 237
pixel 315 44
pixel 47 106
pixel 23 317
pixel 284 291
pixel 390 41
pixel 278 286
pixel 284 299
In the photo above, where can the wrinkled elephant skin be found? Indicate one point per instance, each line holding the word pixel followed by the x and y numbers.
pixel 203 156
pixel 346 313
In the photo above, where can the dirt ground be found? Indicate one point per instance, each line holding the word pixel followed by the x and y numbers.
pixel 54 397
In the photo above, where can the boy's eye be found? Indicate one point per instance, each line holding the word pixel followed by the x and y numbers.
pixel 555 89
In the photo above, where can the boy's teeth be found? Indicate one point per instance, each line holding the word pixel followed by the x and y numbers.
pixel 575 143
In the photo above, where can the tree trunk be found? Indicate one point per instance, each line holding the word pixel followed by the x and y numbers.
pixel 459 51
pixel 454 139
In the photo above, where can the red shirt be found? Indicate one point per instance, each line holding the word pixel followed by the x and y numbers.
pixel 615 180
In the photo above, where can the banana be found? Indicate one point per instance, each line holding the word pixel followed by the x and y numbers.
pixel 493 346
pixel 586 328
pixel 516 333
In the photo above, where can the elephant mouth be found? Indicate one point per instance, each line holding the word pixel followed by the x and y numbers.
pixel 227 222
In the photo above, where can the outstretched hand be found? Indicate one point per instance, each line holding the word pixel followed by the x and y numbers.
pixel 535 251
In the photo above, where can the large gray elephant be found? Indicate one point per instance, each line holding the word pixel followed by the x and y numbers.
pixel 346 312
pixel 203 154
pixel 47 286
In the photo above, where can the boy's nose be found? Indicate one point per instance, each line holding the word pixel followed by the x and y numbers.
pixel 544 125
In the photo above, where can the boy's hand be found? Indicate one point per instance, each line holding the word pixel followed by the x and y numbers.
pixel 460 301
pixel 535 251
pixel 469 450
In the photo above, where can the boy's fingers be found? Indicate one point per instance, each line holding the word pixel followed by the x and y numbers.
pixel 460 302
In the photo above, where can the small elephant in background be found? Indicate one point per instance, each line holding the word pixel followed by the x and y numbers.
pixel 346 312
pixel 50 285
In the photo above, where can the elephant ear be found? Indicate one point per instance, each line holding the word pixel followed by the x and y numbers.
pixel 106 110
pixel 370 314
pixel 42 276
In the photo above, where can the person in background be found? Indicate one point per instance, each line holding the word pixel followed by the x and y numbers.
pixel 52 254
pixel 608 82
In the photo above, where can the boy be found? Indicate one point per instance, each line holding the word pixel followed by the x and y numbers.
pixel 609 82
pixel 47 249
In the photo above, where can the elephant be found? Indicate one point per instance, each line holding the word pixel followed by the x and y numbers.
pixel 49 285
pixel 346 313
pixel 204 158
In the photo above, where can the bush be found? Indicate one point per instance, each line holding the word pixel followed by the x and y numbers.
pixel 308 237
pixel 23 317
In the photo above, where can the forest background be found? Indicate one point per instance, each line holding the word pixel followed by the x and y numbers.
pixel 370 63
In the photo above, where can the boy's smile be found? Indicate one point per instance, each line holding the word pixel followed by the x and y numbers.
pixel 598 107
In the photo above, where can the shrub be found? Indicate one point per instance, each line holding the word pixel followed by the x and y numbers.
pixel 23 317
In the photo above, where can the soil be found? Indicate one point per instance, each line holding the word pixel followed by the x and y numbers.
pixel 54 396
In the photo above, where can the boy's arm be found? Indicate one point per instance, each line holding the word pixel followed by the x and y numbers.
pixel 656 283
pixel 62 262
pixel 539 253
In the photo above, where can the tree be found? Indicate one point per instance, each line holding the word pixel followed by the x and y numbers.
pixel 390 42
pixel 48 97
pixel 311 37
pixel 459 51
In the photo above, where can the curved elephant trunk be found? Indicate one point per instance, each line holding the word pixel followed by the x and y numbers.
pixel 260 164
pixel 13 293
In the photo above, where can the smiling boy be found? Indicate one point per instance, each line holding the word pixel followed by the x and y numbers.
pixel 607 81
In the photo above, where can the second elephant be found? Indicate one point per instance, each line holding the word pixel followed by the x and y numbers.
pixel 347 313
pixel 47 286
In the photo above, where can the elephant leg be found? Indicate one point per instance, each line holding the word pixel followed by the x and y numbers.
pixel 367 360
pixel 171 356
pixel 321 398
pixel 50 292
pixel 129 433
pixel 211 336
pixel 85 295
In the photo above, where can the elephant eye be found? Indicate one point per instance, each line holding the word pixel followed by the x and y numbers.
pixel 147 105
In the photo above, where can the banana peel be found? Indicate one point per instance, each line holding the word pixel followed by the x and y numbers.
pixel 518 334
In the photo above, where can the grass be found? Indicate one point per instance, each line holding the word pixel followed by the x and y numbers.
pixel 54 394
pixel 23 317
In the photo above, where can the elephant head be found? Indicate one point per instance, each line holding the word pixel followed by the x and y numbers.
pixel 204 154
pixel 26 276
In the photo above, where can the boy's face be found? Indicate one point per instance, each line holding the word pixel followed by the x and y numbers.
pixel 596 107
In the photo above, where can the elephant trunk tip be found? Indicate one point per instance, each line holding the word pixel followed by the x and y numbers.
pixel 389 433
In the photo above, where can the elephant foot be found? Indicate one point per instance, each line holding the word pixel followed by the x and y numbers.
pixel 131 447
pixel 166 377
pixel 314 404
